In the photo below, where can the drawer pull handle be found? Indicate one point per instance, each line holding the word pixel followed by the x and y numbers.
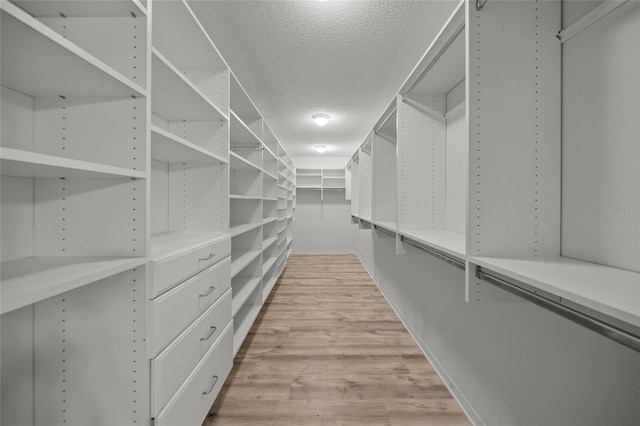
pixel 211 386
pixel 211 255
pixel 208 336
pixel 211 290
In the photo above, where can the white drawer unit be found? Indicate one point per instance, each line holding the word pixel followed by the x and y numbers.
pixel 172 312
pixel 191 403
pixel 173 365
pixel 167 271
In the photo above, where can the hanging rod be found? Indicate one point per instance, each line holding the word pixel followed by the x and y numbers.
pixel 384 230
pixel 589 19
pixel 434 252
pixel 480 4
pixel 621 336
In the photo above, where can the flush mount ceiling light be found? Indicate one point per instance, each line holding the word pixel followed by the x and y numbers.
pixel 320 119
pixel 320 148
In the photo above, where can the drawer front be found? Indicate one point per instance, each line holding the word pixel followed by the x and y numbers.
pixel 173 365
pixel 176 309
pixel 190 405
pixel 166 273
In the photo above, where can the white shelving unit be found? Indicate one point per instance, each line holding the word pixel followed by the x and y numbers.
pixel 384 187
pixel 139 213
pixel 520 189
pixel 74 186
pixel 433 146
pixel 320 180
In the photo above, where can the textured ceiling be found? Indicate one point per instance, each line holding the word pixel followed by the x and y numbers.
pixel 343 58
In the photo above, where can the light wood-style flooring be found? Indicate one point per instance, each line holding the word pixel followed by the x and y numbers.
pixel 327 349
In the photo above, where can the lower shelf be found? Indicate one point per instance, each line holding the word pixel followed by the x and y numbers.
pixel 242 323
pixel 241 289
pixel 612 295
pixel 30 280
pixel 239 260
pixel 451 243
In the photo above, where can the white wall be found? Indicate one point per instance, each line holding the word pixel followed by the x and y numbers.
pixel 323 226
pixel 508 363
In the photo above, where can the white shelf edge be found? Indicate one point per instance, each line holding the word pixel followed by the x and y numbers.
pixel 234 115
pixel 266 267
pixel 268 242
pixel 52 163
pixel 244 328
pixel 244 197
pixel 444 241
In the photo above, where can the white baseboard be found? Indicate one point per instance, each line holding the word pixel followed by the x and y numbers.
pixel 457 394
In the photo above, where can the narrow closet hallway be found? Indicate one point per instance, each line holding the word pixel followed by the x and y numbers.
pixel 327 349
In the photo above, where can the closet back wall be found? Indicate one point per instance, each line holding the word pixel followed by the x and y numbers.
pixel 323 225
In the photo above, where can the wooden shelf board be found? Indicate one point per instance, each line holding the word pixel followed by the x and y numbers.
pixel 175 98
pixel 239 260
pixel 241 289
pixel 168 244
pixel 169 148
pixel 30 280
pixel 448 242
pixel 39 62
pixel 612 292
pixel 241 229
pixel 19 163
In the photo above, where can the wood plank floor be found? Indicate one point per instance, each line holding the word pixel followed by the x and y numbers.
pixel 327 349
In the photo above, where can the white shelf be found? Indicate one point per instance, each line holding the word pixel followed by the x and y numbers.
pixel 309 187
pixel 239 260
pixel 289 241
pixel 175 98
pixel 168 244
pixel 241 229
pixel 602 290
pixel 30 280
pixel 246 285
pixel 270 198
pixel 445 241
pixel 245 197
pixel 19 163
pixel 45 64
pixel 390 226
pixel 242 328
pixel 268 242
pixel 266 289
pixel 103 8
pixel 269 174
pixel 240 163
pixel 241 133
pixel 268 264
pixel 169 148
pixel 269 220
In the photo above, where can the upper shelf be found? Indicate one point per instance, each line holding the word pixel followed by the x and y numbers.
pixel 94 8
pixel 167 147
pixel 19 163
pixel 189 48
pixel 175 98
pixel 39 62
pixel 241 104
pixel 241 134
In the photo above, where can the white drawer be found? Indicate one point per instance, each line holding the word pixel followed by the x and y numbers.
pixel 173 365
pixel 168 271
pixel 190 405
pixel 172 312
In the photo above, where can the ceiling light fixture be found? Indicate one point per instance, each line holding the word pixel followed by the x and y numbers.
pixel 320 148
pixel 320 119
